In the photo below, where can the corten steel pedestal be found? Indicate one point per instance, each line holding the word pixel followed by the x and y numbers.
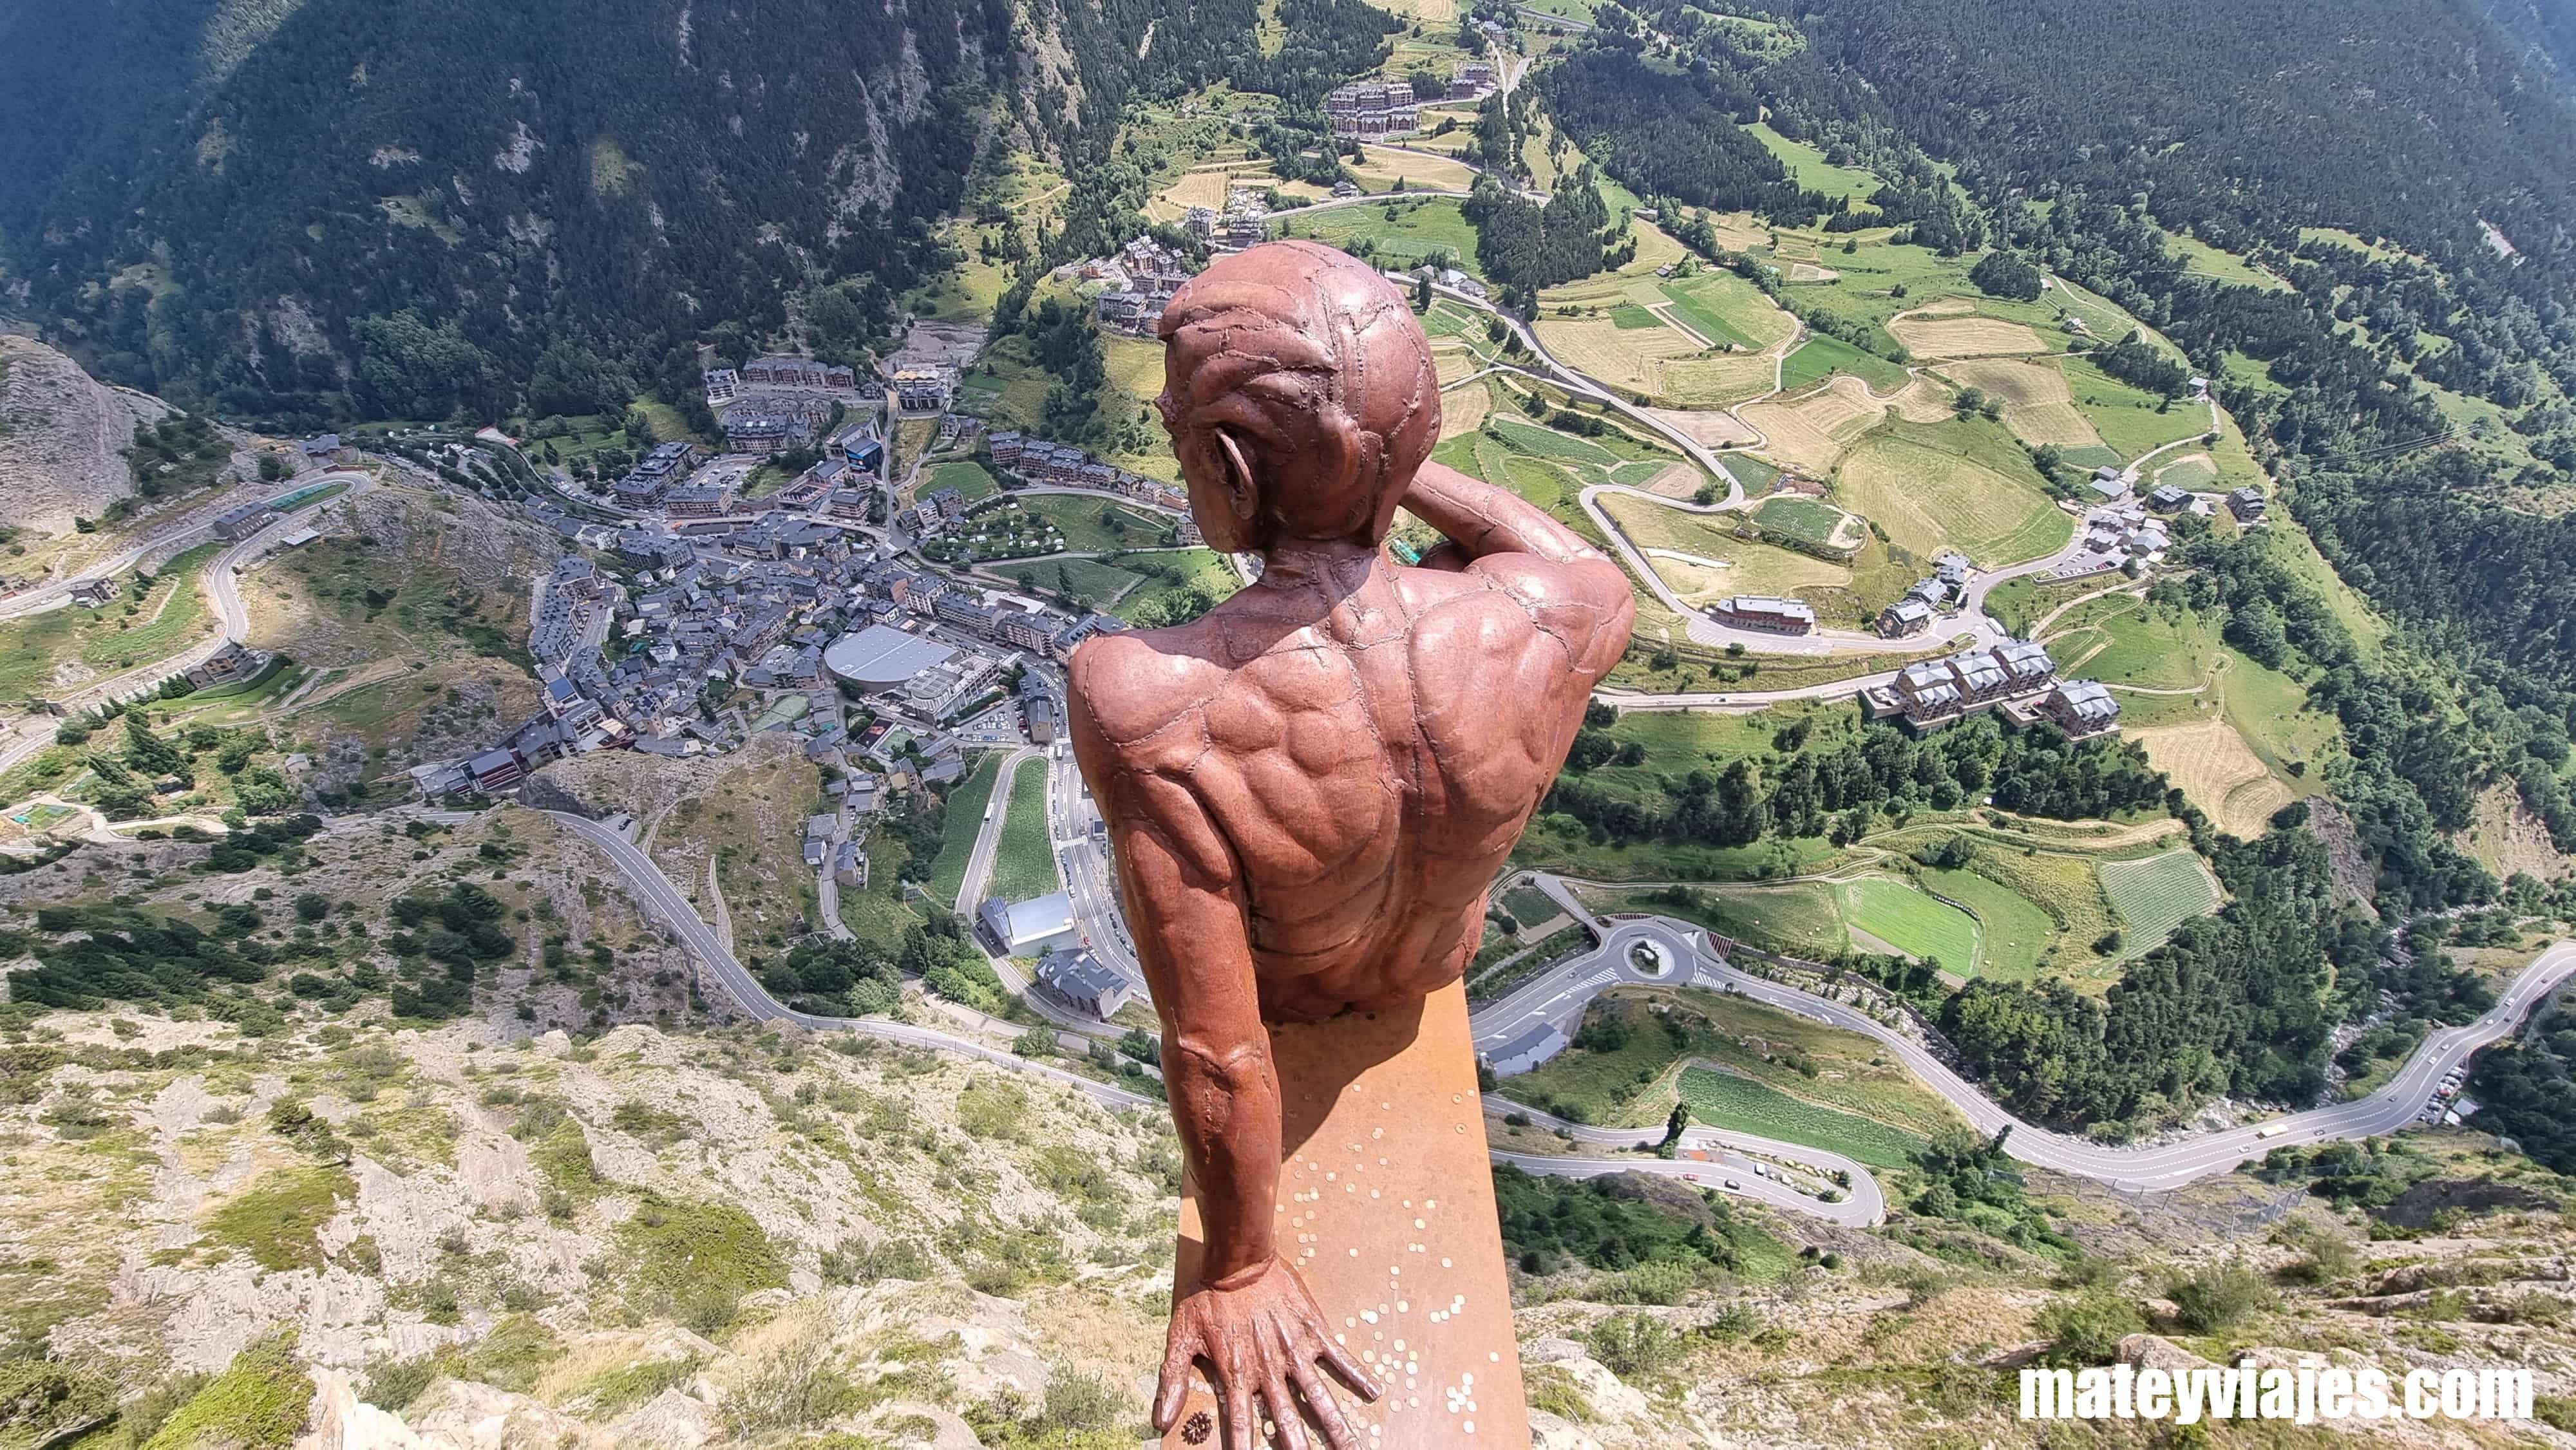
pixel 1386 1208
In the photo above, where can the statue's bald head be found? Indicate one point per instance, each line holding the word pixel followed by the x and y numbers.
pixel 1307 366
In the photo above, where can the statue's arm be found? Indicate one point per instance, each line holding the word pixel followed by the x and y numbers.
pixel 1183 900
pixel 1483 520
pixel 1186 914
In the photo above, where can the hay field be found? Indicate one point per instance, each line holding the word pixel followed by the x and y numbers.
pixel 1724 305
pixel 1627 357
pixel 1963 336
pixel 1813 431
pixel 1739 231
pixel 1674 480
pixel 1929 499
pixel 1654 248
pixel 1205 187
pixel 2217 772
pixel 1416 169
pixel 1920 401
pixel 1810 272
pixel 1463 410
pixel 1702 560
pixel 1719 380
pixel 1710 429
pixel 2037 405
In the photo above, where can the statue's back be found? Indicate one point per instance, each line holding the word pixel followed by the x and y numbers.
pixel 1367 762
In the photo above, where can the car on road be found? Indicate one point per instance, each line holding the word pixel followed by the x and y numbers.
pixel 1738 1187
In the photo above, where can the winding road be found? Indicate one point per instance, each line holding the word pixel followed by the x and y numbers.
pixel 220 580
pixel 1683 956
pixel 1560 996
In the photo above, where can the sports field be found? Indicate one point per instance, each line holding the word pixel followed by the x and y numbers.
pixel 1912 922
pixel 1724 1100
pixel 1928 488
pixel 2154 894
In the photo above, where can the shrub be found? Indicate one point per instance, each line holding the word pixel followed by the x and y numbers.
pixel 257 1403
pixel 2216 1295
pixel 1633 1344
pixel 275 1219
pixel 2087 1330
pixel 41 1402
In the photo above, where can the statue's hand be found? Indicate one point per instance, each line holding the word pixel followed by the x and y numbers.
pixel 1261 1335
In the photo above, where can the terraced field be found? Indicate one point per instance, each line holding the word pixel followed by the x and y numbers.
pixel 965 818
pixel 1100 584
pixel 1723 1100
pixel 1024 858
pixel 2154 894
pixel 1548 443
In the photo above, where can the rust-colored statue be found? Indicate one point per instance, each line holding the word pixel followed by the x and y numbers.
pixel 1310 789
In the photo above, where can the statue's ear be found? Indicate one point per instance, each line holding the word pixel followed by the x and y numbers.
pixel 1241 495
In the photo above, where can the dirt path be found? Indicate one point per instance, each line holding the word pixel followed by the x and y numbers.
pixel 720 917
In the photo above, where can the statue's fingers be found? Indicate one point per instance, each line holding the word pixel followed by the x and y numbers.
pixel 1283 1412
pixel 1340 1362
pixel 1242 1421
pixel 1328 1413
pixel 1174 1386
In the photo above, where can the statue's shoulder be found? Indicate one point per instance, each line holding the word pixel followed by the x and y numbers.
pixel 1130 689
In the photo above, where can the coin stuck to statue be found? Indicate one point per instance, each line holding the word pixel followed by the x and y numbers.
pixel 1308 791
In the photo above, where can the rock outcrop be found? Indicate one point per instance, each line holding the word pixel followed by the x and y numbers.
pixel 63 437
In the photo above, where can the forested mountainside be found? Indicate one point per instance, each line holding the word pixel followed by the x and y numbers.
pixel 2409 120
pixel 299 211
pixel 2546 29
